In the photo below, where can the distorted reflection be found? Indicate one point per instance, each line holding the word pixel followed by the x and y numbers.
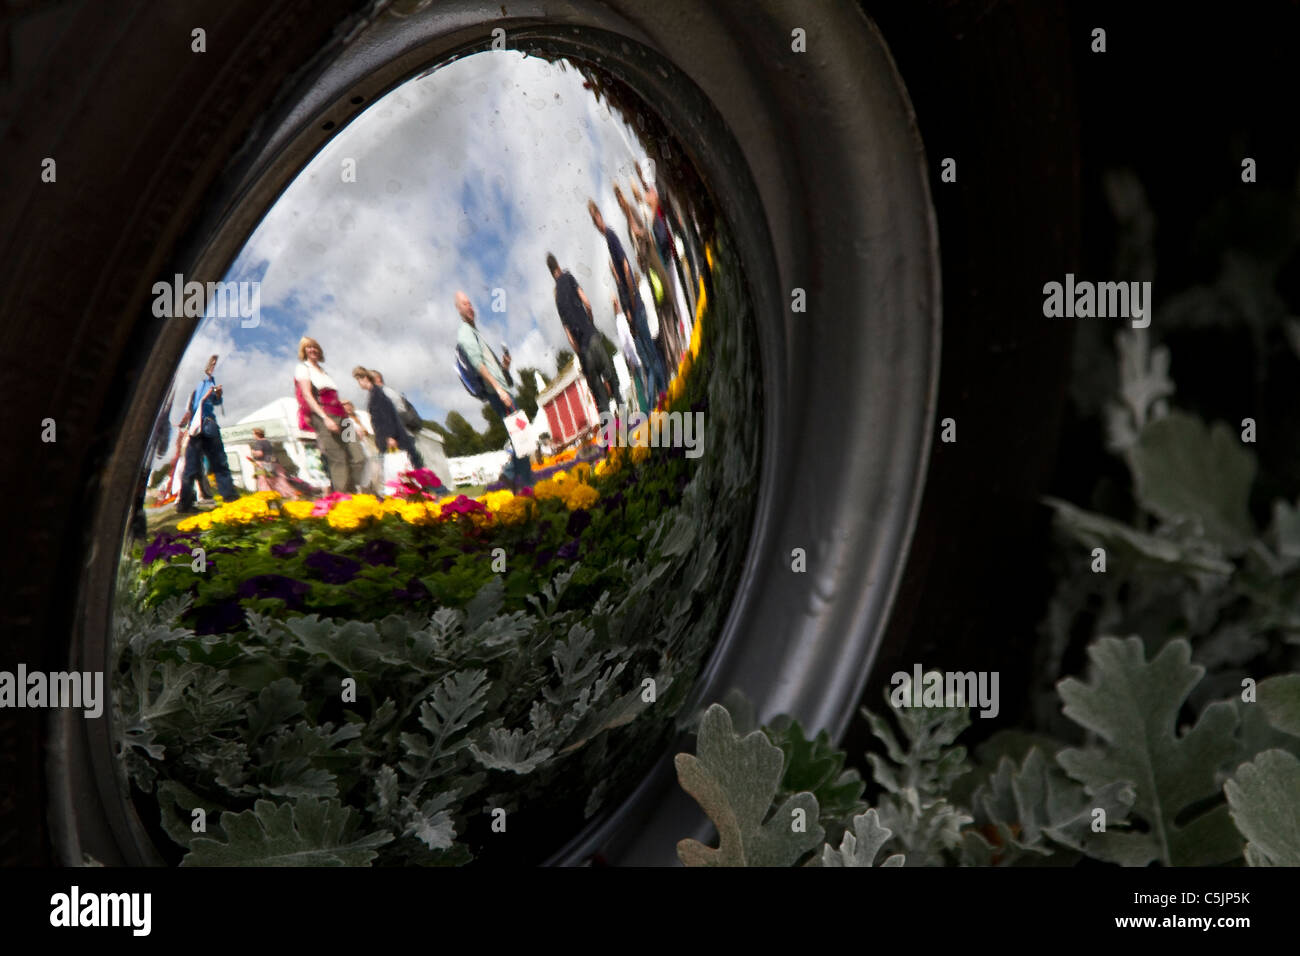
pixel 445 508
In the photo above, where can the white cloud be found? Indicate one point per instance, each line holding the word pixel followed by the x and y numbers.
pixel 465 179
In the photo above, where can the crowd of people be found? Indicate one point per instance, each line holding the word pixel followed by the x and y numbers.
pixel 657 273
pixel 352 452
pixel 651 310
pixel 651 340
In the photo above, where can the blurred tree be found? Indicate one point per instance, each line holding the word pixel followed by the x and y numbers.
pixel 459 436
pixel 527 379
pixel 495 436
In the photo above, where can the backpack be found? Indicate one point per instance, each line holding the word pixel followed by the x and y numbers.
pixel 470 377
pixel 409 416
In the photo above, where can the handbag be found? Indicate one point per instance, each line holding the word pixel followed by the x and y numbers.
pixel 395 462
pixel 521 436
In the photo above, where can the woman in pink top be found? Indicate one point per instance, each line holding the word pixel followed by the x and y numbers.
pixel 321 410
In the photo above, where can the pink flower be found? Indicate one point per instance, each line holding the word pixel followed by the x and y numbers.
pixel 325 503
pixel 424 477
pixel 464 506
pixel 415 483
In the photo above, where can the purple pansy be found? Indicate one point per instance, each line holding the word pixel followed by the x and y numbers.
pixel 288 549
pixel 332 568
pixel 578 522
pixel 414 591
pixel 289 590
pixel 165 546
pixel 379 551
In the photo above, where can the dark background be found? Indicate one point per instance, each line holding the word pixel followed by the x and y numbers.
pixel 1179 98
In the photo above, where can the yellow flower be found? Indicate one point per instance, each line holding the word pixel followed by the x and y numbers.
pixel 513 511
pixel 550 488
pixel 353 513
pixel 698 327
pixel 198 522
pixel 612 462
pixel 267 495
pixel 297 509
pixel 578 495
pixel 640 453
pixel 242 511
pixel 417 512
pixel 581 471
pixel 495 500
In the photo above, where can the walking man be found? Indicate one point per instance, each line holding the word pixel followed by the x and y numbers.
pixel 390 433
pixel 205 441
pixel 575 315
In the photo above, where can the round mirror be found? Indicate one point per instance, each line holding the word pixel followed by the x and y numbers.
pixel 445 507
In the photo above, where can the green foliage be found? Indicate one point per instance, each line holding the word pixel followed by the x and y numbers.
pixel 1213 602
pixel 1141 794
pixel 1034 814
pixel 1265 808
pixel 816 766
pixel 734 779
pixel 1133 706
pixel 1279 698
pixel 1183 471
pixel 916 776
pixel 461 438
pixel 860 846
pixel 307 832
pixel 1144 387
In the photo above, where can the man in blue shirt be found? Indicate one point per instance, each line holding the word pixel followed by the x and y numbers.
pixel 633 306
pixel 205 441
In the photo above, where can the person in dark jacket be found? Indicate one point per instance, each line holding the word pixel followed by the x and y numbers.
pixel 390 433
pixel 575 315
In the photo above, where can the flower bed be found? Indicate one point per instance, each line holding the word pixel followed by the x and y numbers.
pixel 361 557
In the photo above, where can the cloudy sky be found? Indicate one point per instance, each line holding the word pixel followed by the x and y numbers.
pixel 465 179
